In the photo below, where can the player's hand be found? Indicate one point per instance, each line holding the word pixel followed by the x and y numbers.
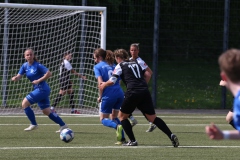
pixel 214 132
pixel 101 86
pixel 99 99
pixel 223 83
pixel 15 78
pixel 35 82
pixel 84 77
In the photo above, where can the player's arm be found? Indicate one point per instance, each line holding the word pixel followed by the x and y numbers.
pixel 148 72
pixel 215 133
pixel 147 76
pixel 43 78
pixel 78 74
pixel 17 77
pixel 100 91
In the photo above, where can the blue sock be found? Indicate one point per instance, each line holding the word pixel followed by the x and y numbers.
pixel 118 122
pixel 55 118
pixel 30 114
pixel 109 123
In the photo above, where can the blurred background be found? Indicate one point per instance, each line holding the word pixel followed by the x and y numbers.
pixel 191 34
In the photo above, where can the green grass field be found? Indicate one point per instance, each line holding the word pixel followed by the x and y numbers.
pixel 94 141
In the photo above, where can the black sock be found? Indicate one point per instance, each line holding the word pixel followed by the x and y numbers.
pixel 128 129
pixel 71 96
pixel 57 100
pixel 232 124
pixel 162 126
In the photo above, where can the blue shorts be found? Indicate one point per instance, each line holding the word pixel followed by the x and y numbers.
pixel 112 99
pixel 39 96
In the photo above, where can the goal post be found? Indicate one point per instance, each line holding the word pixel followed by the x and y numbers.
pixel 51 31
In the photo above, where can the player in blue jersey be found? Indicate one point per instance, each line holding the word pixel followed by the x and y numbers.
pixel 37 74
pixel 136 96
pixel 229 63
pixel 110 99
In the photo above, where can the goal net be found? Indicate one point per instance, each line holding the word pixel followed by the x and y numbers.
pixel 51 31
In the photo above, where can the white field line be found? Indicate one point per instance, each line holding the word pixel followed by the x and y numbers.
pixel 87 116
pixel 107 147
pixel 184 125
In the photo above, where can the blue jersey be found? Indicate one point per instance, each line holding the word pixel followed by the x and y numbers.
pixel 104 70
pixel 34 72
pixel 236 111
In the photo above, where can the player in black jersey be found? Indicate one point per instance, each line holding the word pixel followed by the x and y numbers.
pixel 137 95
pixel 65 82
pixel 134 50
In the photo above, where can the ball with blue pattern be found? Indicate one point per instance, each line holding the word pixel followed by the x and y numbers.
pixel 66 135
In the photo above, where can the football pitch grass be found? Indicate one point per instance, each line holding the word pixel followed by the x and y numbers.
pixel 94 141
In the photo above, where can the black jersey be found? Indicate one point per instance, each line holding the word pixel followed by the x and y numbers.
pixel 131 74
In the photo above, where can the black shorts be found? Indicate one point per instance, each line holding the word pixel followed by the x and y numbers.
pixel 140 99
pixel 65 84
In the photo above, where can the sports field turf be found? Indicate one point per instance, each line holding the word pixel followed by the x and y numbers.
pixel 94 141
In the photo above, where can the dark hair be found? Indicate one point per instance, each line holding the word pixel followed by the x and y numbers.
pixel 135 45
pixel 65 54
pixel 106 55
pixel 32 51
pixel 121 53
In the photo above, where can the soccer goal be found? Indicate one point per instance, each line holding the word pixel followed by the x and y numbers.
pixel 51 31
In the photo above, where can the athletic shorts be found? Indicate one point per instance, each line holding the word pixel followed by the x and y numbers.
pixel 65 84
pixel 39 96
pixel 112 99
pixel 140 99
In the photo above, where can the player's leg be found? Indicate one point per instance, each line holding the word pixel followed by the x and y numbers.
pixel 132 120
pixel 146 107
pixel 71 99
pixel 105 109
pixel 63 88
pixel 115 111
pixel 127 108
pixel 29 113
pixel 44 103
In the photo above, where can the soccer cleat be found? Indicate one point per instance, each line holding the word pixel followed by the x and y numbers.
pixel 123 141
pixel 75 112
pixel 62 128
pixel 174 140
pixel 151 127
pixel 130 143
pixel 119 132
pixel 133 122
pixel 31 127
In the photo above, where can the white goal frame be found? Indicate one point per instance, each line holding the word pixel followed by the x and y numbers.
pixel 7 88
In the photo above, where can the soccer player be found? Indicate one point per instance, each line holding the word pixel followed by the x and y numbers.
pixel 229 117
pixel 134 50
pixel 110 99
pixel 137 95
pixel 229 63
pixel 65 82
pixel 37 74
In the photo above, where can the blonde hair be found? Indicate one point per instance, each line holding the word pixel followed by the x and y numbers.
pixel 135 45
pixel 121 53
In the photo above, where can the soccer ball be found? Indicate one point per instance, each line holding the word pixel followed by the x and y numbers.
pixel 67 135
